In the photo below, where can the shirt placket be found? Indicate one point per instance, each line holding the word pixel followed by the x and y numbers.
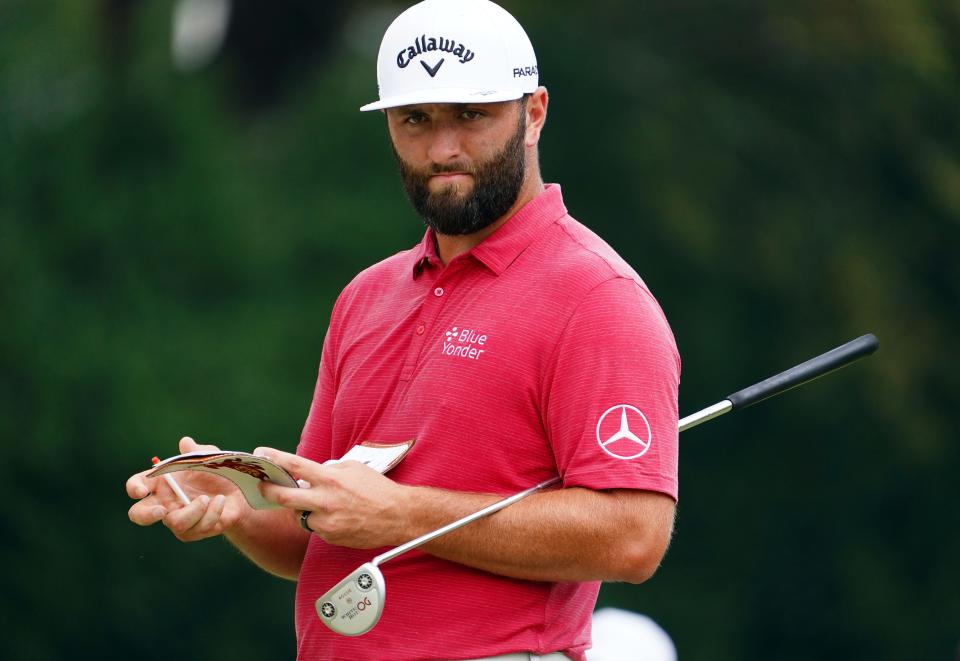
pixel 435 300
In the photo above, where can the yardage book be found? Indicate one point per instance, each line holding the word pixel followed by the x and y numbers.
pixel 247 471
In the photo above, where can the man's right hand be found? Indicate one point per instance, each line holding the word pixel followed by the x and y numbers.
pixel 216 504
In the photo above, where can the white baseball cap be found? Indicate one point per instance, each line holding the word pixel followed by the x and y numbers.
pixel 454 51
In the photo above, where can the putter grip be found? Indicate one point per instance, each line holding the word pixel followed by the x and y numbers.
pixel 804 372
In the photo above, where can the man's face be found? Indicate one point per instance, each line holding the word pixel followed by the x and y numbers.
pixel 462 165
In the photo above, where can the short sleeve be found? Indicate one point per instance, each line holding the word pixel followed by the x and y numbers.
pixel 610 393
pixel 317 437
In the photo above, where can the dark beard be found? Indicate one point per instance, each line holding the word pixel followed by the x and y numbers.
pixel 496 186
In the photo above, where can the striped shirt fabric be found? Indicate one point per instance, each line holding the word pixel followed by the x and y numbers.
pixel 538 353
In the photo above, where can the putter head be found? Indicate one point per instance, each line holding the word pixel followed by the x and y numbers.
pixel 353 606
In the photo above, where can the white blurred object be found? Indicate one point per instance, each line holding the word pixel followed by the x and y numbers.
pixel 199 30
pixel 620 635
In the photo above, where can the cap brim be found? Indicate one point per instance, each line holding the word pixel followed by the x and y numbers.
pixel 444 95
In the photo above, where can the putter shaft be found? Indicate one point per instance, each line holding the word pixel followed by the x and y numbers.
pixel 709 413
pixel 459 523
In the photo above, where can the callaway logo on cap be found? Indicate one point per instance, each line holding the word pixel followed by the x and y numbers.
pixel 454 51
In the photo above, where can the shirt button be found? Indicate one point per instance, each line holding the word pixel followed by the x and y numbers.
pixel 438 291
pixel 420 329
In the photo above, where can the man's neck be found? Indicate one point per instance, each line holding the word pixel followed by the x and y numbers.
pixel 451 246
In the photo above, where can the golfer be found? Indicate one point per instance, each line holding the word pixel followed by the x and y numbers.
pixel 512 344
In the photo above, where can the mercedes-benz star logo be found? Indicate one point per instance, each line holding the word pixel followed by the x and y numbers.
pixel 622 441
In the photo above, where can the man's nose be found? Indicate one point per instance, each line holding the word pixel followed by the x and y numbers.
pixel 445 145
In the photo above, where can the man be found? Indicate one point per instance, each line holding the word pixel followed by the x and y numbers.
pixel 513 344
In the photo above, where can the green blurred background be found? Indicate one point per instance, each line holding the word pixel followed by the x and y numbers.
pixel 173 232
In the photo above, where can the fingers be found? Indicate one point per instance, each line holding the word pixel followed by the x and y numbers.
pixel 187 444
pixel 150 507
pixel 139 486
pixel 181 520
pixel 198 520
pixel 157 502
pixel 210 520
pixel 290 497
pixel 296 465
pixel 146 512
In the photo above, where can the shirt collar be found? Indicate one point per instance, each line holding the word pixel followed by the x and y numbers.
pixel 499 250
pixel 425 253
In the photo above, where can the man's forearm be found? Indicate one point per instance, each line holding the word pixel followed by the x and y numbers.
pixel 271 540
pixel 565 535
pixel 573 534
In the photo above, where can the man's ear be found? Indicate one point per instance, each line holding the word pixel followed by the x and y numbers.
pixel 536 109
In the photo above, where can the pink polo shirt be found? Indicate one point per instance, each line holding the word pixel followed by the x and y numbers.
pixel 538 353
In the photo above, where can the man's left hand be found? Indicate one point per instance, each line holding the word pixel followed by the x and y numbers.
pixel 350 504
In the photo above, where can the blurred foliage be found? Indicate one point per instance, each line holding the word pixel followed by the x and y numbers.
pixel 785 176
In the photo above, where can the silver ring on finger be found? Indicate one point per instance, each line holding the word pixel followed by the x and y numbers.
pixel 304 515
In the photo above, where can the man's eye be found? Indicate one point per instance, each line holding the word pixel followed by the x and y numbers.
pixel 416 118
pixel 471 114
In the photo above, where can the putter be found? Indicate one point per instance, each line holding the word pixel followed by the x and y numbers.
pixel 354 605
